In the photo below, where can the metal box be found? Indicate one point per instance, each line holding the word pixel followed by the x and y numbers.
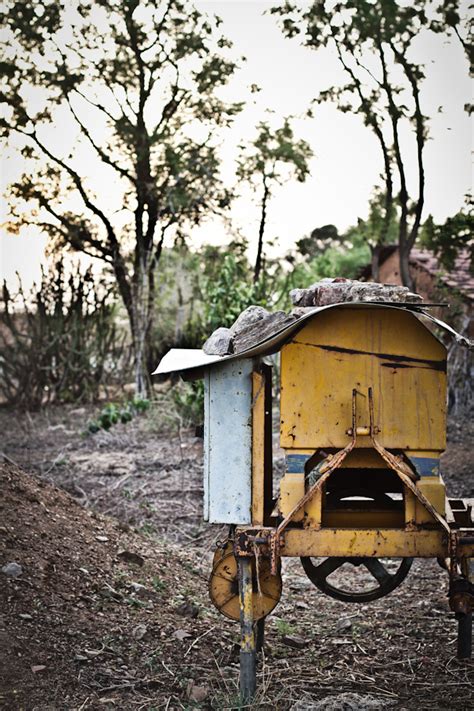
pixel 228 442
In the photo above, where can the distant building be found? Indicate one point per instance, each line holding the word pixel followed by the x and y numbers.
pixel 433 282
pixel 456 288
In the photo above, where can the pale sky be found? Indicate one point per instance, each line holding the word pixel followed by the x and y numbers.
pixel 347 162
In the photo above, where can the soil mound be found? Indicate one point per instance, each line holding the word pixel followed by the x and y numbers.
pixel 88 610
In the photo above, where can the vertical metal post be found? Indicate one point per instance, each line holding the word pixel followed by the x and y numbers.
pixel 259 634
pixel 464 634
pixel 248 677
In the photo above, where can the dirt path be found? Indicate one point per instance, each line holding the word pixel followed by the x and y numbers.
pixel 78 630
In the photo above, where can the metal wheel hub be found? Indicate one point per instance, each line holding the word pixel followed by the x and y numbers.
pixel 319 573
pixel 224 585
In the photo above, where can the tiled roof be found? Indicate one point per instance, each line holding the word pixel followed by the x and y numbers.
pixel 460 277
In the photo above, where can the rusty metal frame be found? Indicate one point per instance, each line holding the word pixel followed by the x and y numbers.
pixel 332 462
pixel 273 537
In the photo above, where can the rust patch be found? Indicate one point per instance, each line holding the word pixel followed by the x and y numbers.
pixel 403 361
pixel 441 366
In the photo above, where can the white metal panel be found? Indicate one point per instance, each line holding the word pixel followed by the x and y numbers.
pixel 228 443
pixel 206 444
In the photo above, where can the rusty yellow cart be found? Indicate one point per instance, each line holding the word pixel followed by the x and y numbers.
pixel 363 424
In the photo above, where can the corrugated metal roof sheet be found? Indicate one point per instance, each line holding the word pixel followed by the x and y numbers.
pixel 187 360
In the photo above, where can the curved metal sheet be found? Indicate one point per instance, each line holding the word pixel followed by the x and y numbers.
pixel 188 360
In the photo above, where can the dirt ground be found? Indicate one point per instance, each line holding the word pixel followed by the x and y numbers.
pixel 111 608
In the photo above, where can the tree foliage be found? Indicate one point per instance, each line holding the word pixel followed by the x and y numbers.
pixel 450 238
pixel 141 83
pixel 328 253
pixel 373 41
pixel 272 158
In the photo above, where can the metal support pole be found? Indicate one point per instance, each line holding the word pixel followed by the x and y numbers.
pixel 464 635
pixel 259 634
pixel 248 677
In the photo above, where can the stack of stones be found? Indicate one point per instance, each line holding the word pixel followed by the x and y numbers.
pixel 335 291
pixel 256 324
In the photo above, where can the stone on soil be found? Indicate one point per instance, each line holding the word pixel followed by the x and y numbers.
pixel 343 625
pixel 139 631
pixel 220 342
pixel 196 693
pixel 131 557
pixel 294 641
pixel 12 570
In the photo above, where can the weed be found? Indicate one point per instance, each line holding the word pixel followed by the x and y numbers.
pixel 111 414
pixel 146 506
pixel 159 585
pixel 188 399
pixel 189 567
pixel 147 529
pixel 152 662
pixel 134 602
pixel 284 627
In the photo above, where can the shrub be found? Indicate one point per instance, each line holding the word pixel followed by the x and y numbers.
pixel 59 341
pixel 111 414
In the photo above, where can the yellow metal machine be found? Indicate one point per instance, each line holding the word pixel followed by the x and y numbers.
pixel 363 425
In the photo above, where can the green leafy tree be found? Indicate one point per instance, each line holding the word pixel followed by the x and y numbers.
pixel 460 21
pixel 341 253
pixel 379 229
pixel 320 239
pixel 332 254
pixel 450 238
pixel 227 287
pixel 373 41
pixel 273 158
pixel 140 83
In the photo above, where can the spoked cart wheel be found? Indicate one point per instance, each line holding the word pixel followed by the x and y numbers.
pixel 386 581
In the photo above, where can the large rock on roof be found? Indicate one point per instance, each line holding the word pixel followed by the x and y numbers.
pixel 252 314
pixel 261 330
pixel 335 291
pixel 220 342
pixel 255 324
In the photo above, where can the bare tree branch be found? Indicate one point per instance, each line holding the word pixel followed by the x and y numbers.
pixel 394 118
pixel 100 152
pixel 371 119
pixel 420 142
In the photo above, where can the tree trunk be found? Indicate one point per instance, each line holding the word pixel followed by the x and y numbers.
pixel 142 378
pixel 404 253
pixel 261 231
pixel 138 299
pixel 142 311
pixel 375 264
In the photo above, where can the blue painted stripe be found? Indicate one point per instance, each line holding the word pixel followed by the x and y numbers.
pixel 426 466
pixel 295 463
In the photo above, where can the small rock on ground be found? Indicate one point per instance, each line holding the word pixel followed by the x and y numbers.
pixel 293 640
pixel 12 570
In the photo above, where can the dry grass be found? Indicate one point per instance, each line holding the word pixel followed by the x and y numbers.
pixel 400 649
